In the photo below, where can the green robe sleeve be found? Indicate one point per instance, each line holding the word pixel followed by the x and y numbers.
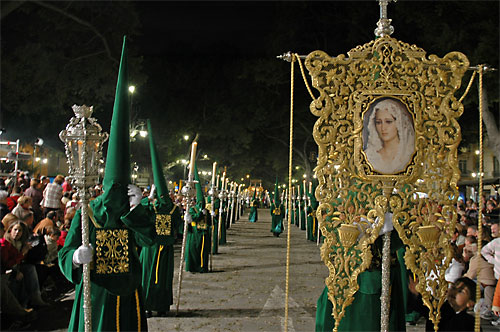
pixel 141 221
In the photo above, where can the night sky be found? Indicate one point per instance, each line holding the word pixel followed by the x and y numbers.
pixel 204 27
pixel 210 67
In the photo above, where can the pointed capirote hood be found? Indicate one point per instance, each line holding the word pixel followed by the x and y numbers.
pixel 200 198
pixel 162 194
pixel 113 203
pixel 118 156
pixel 276 194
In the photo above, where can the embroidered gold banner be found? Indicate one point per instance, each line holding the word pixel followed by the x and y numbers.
pixel 387 135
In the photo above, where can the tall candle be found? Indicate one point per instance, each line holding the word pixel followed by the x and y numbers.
pixel 213 173
pixel 223 184
pixel 191 162
pixel 305 187
pixel 218 176
pixel 310 186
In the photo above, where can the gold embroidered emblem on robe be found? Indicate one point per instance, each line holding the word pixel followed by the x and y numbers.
pixel 163 224
pixel 112 251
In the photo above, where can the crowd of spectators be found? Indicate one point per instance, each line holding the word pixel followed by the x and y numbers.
pixel 483 267
pixel 35 217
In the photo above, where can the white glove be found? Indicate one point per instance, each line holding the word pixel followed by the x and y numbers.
pixel 187 217
pixel 388 226
pixel 212 213
pixel 82 255
pixel 134 195
pixel 204 211
pixel 152 192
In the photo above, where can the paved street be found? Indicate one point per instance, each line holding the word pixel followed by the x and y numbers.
pixel 246 289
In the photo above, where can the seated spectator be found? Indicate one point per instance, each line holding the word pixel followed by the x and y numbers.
pixel 14 196
pixel 24 281
pixel 66 186
pixel 491 252
pixel 492 212
pixel 456 268
pixel 485 278
pixel 8 219
pixel 51 237
pixel 4 209
pixel 49 221
pixel 10 307
pixel 454 316
pixel 472 231
pixel 23 207
pixel 494 230
pixel 66 198
pixel 70 213
pixel 48 269
pixel 73 202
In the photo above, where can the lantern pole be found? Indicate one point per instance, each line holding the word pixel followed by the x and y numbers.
pixel 83 141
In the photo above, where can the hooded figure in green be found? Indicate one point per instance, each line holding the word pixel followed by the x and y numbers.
pixel 312 222
pixel 297 208
pixel 198 236
pixel 118 223
pixel 158 259
pixel 364 312
pixel 253 216
pixel 277 213
pixel 302 212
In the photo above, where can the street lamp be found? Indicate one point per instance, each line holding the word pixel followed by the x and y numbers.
pixel 186 137
pixel 83 139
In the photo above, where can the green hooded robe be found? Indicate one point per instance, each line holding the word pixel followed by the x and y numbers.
pixel 253 216
pixel 158 260
pixel 277 213
pixel 198 236
pixel 116 296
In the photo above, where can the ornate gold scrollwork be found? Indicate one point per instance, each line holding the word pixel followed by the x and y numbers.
pixel 112 252
pixel 357 185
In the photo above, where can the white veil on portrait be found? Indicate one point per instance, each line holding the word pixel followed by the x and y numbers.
pixel 406 134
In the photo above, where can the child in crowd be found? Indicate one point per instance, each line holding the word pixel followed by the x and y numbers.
pixel 454 316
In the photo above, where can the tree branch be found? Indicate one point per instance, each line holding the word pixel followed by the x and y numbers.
pixel 82 22
pixel 9 7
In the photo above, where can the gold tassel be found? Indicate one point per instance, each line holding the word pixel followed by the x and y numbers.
pixel 138 308
pixel 202 246
pixel 158 263
pixel 118 313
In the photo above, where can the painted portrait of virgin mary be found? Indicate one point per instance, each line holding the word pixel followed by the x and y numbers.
pixel 388 136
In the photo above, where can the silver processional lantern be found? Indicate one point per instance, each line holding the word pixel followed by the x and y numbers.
pixel 83 140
